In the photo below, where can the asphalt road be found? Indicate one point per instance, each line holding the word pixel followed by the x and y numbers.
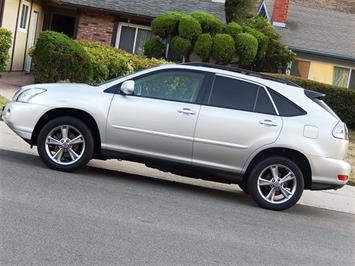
pixel 99 216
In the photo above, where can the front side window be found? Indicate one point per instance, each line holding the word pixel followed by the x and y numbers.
pixel 132 38
pixel 24 16
pixel 341 77
pixel 176 85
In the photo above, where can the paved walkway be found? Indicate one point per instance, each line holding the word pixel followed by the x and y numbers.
pixel 10 82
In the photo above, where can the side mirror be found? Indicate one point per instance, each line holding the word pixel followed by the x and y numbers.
pixel 127 87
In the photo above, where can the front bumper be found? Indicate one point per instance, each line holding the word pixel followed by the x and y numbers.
pixel 325 172
pixel 22 117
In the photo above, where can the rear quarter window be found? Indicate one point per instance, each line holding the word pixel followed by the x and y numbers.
pixel 285 106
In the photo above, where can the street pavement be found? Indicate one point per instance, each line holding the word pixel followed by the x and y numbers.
pixel 120 213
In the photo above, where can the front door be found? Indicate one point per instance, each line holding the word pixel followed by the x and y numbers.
pixel 31 39
pixel 238 119
pixel 159 119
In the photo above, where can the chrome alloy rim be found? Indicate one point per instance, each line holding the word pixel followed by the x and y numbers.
pixel 277 184
pixel 65 145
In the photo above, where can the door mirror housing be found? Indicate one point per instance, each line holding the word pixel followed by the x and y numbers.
pixel 127 87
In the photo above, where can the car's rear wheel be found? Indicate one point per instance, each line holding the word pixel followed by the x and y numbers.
pixel 65 144
pixel 276 183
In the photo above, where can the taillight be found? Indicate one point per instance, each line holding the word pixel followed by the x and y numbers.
pixel 343 177
pixel 340 131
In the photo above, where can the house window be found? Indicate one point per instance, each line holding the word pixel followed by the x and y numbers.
pixel 300 68
pixel 132 38
pixel 341 77
pixel 24 16
pixel 352 80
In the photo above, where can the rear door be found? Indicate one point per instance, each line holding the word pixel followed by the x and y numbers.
pixel 238 118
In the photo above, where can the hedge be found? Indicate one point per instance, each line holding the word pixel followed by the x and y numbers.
pixel 203 46
pixel 5 44
pixel 246 47
pixel 223 48
pixel 180 46
pixel 166 24
pixel 189 28
pixel 209 23
pixel 341 100
pixel 154 48
pixel 57 57
pixel 233 29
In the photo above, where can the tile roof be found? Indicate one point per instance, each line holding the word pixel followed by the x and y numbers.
pixel 318 30
pixel 152 8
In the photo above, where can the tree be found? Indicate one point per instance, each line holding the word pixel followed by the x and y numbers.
pixel 238 10
pixel 223 49
pixel 203 46
pixel 5 45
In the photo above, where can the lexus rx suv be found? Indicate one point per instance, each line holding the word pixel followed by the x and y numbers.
pixel 218 123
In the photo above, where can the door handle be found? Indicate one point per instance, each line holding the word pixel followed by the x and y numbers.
pixel 186 111
pixel 268 123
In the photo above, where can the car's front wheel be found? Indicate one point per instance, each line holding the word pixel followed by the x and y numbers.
pixel 65 144
pixel 276 183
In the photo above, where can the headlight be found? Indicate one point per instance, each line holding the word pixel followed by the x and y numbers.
pixel 28 94
pixel 341 131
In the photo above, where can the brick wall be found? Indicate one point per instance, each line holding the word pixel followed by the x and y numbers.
pixel 95 27
pixel 347 6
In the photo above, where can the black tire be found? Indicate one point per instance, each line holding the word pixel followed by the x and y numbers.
pixel 261 169
pixel 86 151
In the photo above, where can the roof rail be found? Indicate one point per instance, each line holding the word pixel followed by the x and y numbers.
pixel 242 71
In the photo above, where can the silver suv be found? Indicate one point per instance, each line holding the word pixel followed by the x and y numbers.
pixel 218 123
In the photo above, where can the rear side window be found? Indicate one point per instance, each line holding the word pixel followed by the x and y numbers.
pixel 233 94
pixel 263 103
pixel 285 106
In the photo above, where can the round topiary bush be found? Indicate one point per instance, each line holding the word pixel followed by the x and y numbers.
pixel 233 29
pixel 246 46
pixel 5 45
pixel 263 41
pixel 57 57
pixel 223 48
pixel 166 24
pixel 203 46
pixel 189 28
pixel 181 45
pixel 154 48
pixel 209 23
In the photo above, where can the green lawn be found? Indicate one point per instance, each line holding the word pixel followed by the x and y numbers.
pixel 351 157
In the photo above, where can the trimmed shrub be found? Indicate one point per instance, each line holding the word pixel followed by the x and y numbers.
pixel 166 24
pixel 263 41
pixel 57 57
pixel 341 100
pixel 154 48
pixel 223 48
pixel 203 46
pixel 209 23
pixel 107 63
pixel 233 29
pixel 246 46
pixel 189 28
pixel 5 45
pixel 181 45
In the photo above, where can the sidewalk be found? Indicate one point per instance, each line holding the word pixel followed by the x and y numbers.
pixel 342 200
pixel 10 82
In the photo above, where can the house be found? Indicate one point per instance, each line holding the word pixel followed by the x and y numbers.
pixel 120 23
pixel 321 33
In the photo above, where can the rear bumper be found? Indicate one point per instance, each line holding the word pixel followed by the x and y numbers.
pixel 325 173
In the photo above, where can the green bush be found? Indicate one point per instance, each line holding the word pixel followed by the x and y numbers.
pixel 341 100
pixel 246 46
pixel 263 41
pixel 223 48
pixel 181 46
pixel 5 45
pixel 203 46
pixel 209 23
pixel 57 57
pixel 233 29
pixel 166 24
pixel 154 48
pixel 189 28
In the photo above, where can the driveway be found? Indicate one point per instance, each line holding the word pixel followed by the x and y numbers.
pixel 123 213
